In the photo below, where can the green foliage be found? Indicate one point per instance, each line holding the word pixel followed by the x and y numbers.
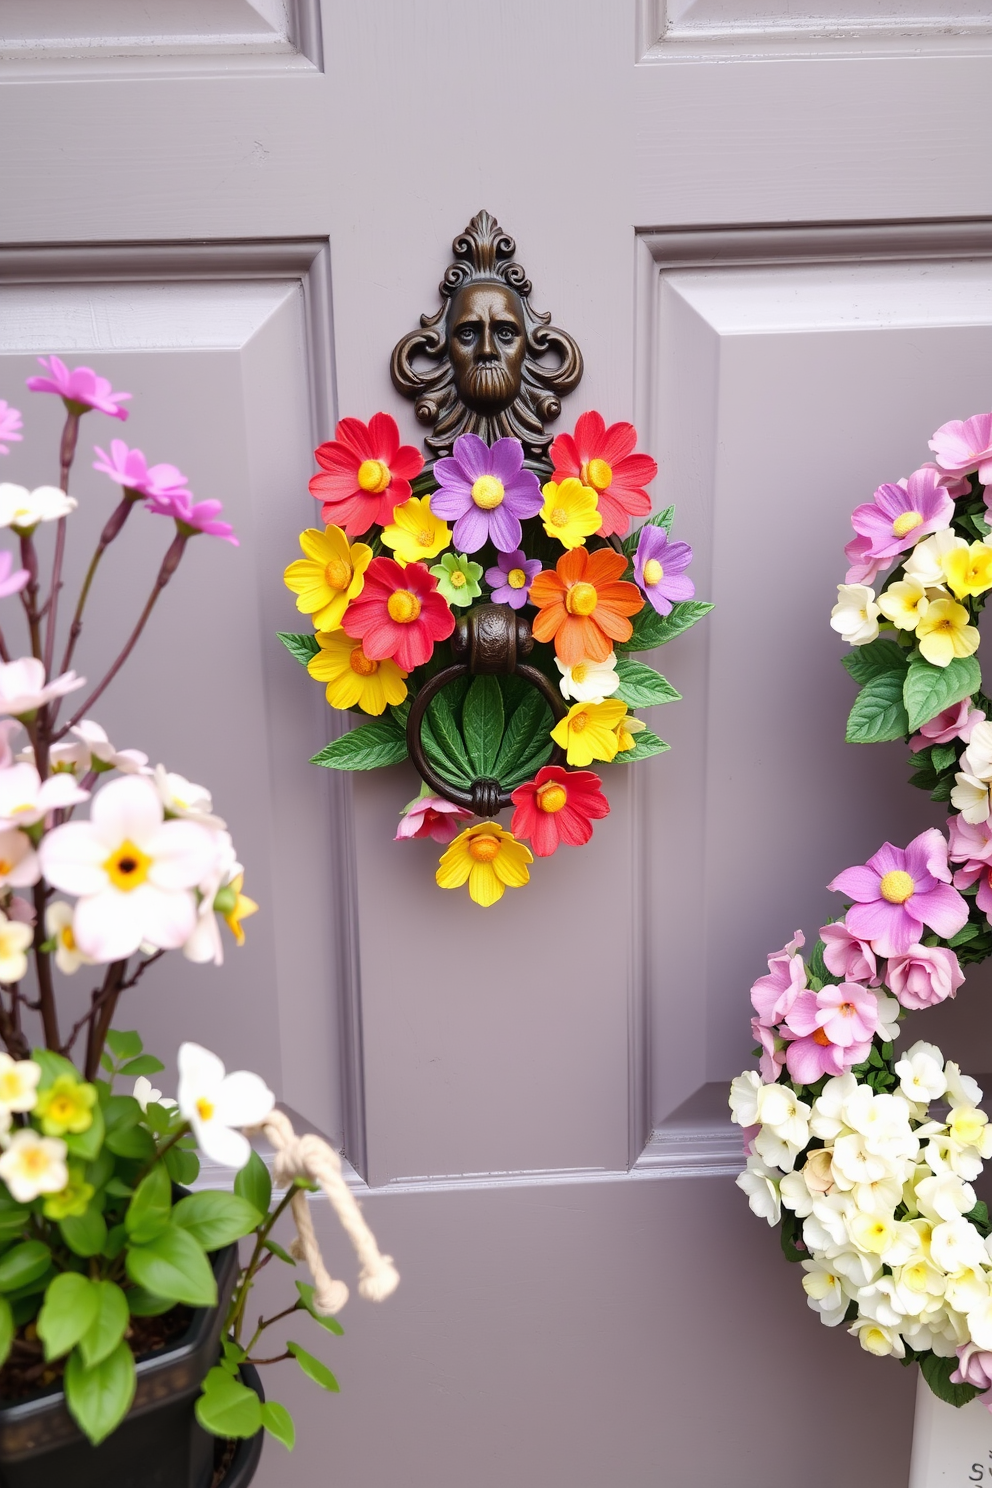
pixel 879 712
pixel 942 756
pixel 254 1185
pixel 85 1234
pixel 927 689
pixel 303 647
pixel 482 724
pixel 641 686
pixel 174 1265
pixel 660 519
pixel 450 757
pixel 227 1407
pixel 142 1064
pixel 107 1328
pixel 215 1219
pixel 306 1297
pixel 875 660
pixel 148 1212
pixel 370 747
pixel 318 1372
pixel 124 1044
pixel 24 1264
pixel 652 629
pixel 278 1252
pixel 7 1327
pixel 100 1397
pixel 183 1166
pixel 645 745
pixel 279 1423
pixel 937 1373
pixel 69 1311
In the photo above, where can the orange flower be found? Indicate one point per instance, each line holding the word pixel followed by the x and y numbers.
pixel 582 606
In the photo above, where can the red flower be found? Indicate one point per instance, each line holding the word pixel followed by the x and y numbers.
pixel 601 457
pixel 558 806
pixel 399 613
pixel 367 473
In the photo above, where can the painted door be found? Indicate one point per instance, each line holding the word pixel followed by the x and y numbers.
pixel 769 228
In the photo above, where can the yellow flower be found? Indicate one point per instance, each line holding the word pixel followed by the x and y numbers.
pixel 354 678
pixel 589 731
pixel 233 906
pixel 968 570
pixel 625 731
pixel 490 858
pixel 570 512
pixel 73 1199
pixel 415 533
pixel 944 633
pixel 66 1106
pixel 906 603
pixel 328 577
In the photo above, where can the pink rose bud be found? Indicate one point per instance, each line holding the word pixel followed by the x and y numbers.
pixel 924 976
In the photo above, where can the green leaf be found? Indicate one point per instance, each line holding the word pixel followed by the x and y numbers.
pixel 69 1310
pixel 278 1252
pixel 318 1372
pixel 216 1219
pixel 254 1185
pixel 120 1112
pixel 100 1397
pixel 124 1045
pixel 306 1296
pixel 13 1217
pixel 928 690
pixel 878 713
pixel 107 1328
pixel 142 1303
pixel 937 1373
pixel 370 747
pixel 942 755
pixel 227 1407
pixel 303 647
pixel 645 745
pixel 174 1265
pixel 279 1423
pixel 652 629
pixel 87 1144
pixel 979 1217
pixel 875 660
pixel 159 1118
pixel 148 1212
pixel 447 738
pixel 641 686
pixel 530 721
pixel 183 1166
pixel 7 1327
pixel 144 1064
pixel 52 1065
pixel 482 725
pixel 115 1242
pixel 132 1141
pixel 24 1264
pixel 966 933
pixel 661 519
pixel 85 1234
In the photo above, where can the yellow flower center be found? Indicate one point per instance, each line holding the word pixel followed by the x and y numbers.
pixel 62 1108
pixel 896 887
pixel 67 938
pixel 338 574
pixel 423 538
pixel 127 866
pixel 362 664
pixel 487 492
pixel 204 1108
pixel 457 579
pixel 403 606
pixel 906 523
pixel 653 572
pixel 551 797
pixel 581 599
pixel 819 1037
pixel 516 578
pixel 19 810
pixel 373 476
pixel 35 1160
pixel 596 473
pixel 6 866
pixel 580 672
pixel 578 723
pixel 559 517
pixel 483 848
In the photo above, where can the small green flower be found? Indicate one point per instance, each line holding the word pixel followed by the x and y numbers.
pixel 66 1106
pixel 458 578
pixel 74 1199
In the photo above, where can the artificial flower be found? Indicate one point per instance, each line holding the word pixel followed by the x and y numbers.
pixel 924 976
pixel 905 603
pixel 18 1083
pixel 855 615
pixel 659 569
pixel 432 816
pixel 971 845
pixel 65 1106
pixel 90 749
pixel 761 1184
pixel 558 806
pixel 25 798
pixel 130 469
pixel 846 1012
pixel 20 909
pixel 974 1368
pixel 956 722
pixel 604 459
pixel 145 1093
pixel 810 1056
pixel 365 473
pixel 34 1165
pixel 486 492
pixel 903 513
pixel 965 445
pixel 588 681
pixel 134 873
pixel 12 580
pixel 898 891
pixel 878 1339
pixel 970 794
pixel 825 1292
pixel 864 567
pixel 180 797
pixel 58 927
pixel 626 731
pixel 328 577
pixel 23 689
pixel 921 1073
pixel 73 1200
pixel 968 570
pixel 15 938
pixel 511 578
pixel 399 613
pixel 489 858
pixel 583 604
pixel 22 509
pixel 233 905
pixel 570 512
pixel 19 867
pixel 773 995
pixel 80 387
pixel 10 425
pixel 926 562
pixel 846 955
pixel 944 633
pixel 458 578
pixel 415 533
pixel 190 516
pixel 215 1103
pixel 354 679
pixel 220 895
pixel 588 731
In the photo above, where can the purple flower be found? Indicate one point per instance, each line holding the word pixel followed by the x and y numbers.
pixel 193 516
pixel 957 722
pixel 898 891
pixel 845 1012
pixel 512 577
pixel 129 469
pixel 82 386
pixel 659 569
pixel 485 492
pixel 846 956
pixel 964 445
pixel 10 423
pixel 901 514
pixel 772 996
pixel 974 1368
pixel 864 569
pixel 11 583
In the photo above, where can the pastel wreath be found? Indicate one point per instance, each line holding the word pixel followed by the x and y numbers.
pixel 864 1157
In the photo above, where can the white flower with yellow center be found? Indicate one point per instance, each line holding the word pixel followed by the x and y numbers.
pixel 18 1083
pixel 58 927
pixel 19 865
pixel 15 937
pixel 956 1245
pixel 33 1165
pixel 921 1073
pixel 144 1093
pixel 878 1339
pixel 182 798
pixel 827 1120
pixel 134 873
pixel 967 1289
pixel 744 1098
pixel 855 615
pixel 23 689
pixel 980 1324
pixel 25 798
pixel 92 750
pixel 944 1196
pixel 825 1291
pixel 904 604
pixel 962 1090
pixel 215 1104
pixel 589 681
pixel 924 563
pixel 23 509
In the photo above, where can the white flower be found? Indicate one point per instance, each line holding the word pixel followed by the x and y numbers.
pixel 888 1016
pixel 34 1165
pixel 944 1196
pixel 23 688
pixel 215 1103
pixel 18 1083
pixel 788 1117
pixel 957 1244
pixel 977 758
pixel 883 1120
pixel 144 1093
pixel 970 796
pixel 23 509
pixel 921 1073
pixel 181 797
pixel 15 938
pixel 25 798
pixel 881 1302
pixel 878 1339
pixel 825 1292
pixel 134 872
pixel 923 563
pixel 980 1324
pixel 962 1090
pixel 826 1227
pixel 879 1197
pixel 855 615
pixel 19 865
pixel 205 943
pixel 92 750
pixel 744 1098
pixel 827 1120
pixel 58 927
pixel 589 681
pixel 967 1289
pixel 857 1268
pixel 795 1194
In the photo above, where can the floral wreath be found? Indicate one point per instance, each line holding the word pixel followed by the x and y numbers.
pixel 552 568
pixel 865 1159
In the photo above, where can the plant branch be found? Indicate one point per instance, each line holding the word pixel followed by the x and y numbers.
pixel 43 967
pixel 114 524
pixel 235 1316
pixel 100 995
pixel 102 1009
pixel 267 1322
pixel 276 1359
pixel 67 451
pixel 29 594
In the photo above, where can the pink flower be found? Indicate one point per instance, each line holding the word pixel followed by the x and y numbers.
pixel 864 569
pixel 129 469
pixel 8 727
pixel 901 514
pixel 20 909
pixel 956 722
pixel 962 446
pixel 845 955
pixel 954 485
pixel 898 891
pixel 847 1014
pixel 11 582
pixel 82 386
pixel 925 976
pixel 193 516
pixel 772 1051
pixel 772 996
pixel 431 816
pixel 814 1055
pixel 10 423
pixel 748 1134
pixel 974 1368
pixel 971 844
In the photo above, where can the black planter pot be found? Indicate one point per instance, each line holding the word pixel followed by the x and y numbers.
pixel 248 1452
pixel 159 1444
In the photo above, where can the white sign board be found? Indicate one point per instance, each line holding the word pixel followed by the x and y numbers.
pixel 951 1448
